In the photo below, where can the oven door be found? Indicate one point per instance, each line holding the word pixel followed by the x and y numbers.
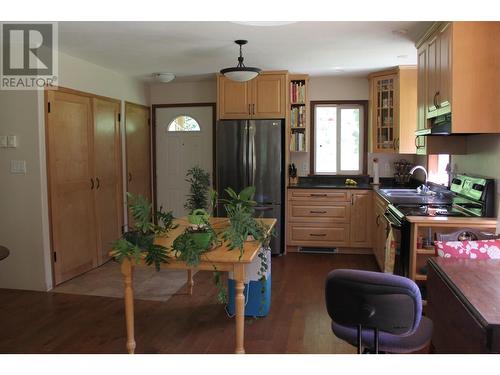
pixel 393 259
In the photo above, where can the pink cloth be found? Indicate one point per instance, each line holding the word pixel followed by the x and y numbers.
pixel 484 249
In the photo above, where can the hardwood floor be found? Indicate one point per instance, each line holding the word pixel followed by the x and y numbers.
pixel 39 322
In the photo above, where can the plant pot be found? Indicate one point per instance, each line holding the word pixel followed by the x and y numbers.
pixel 198 217
pixel 202 239
pixel 143 241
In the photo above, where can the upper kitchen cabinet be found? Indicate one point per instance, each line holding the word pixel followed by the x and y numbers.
pixel 393 110
pixel 458 78
pixel 263 97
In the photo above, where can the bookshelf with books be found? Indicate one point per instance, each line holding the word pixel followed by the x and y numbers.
pixel 298 113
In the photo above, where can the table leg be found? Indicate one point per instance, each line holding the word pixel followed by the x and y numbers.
pixel 127 271
pixel 190 281
pixel 239 277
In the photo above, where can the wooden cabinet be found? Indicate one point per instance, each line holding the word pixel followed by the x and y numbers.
pixel 234 99
pixel 138 146
pixel 263 97
pixel 380 228
pixel 269 96
pixel 329 218
pixel 361 216
pixel 393 110
pixel 84 180
pixel 108 175
pixel 458 73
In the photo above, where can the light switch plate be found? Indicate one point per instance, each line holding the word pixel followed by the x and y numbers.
pixel 18 166
pixel 3 141
pixel 11 141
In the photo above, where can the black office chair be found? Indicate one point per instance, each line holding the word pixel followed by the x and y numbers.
pixel 377 311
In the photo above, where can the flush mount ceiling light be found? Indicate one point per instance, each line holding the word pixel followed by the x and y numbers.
pixel 241 73
pixel 164 77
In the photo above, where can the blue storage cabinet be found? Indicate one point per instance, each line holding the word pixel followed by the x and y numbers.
pixel 257 293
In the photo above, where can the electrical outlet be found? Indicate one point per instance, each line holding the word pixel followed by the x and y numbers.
pixel 387 169
pixel 11 141
pixel 304 168
pixel 3 141
pixel 18 166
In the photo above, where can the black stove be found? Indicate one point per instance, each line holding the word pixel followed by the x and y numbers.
pixel 431 210
pixel 467 197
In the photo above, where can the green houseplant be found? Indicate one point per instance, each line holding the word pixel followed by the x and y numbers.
pixel 200 235
pixel 199 181
pixel 240 211
pixel 140 240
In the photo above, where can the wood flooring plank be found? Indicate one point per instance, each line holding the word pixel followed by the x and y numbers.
pixel 39 322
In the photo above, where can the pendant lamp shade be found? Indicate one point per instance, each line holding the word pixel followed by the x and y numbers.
pixel 241 73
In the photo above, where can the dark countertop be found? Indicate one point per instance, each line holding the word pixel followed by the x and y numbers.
pixel 338 182
pixel 363 186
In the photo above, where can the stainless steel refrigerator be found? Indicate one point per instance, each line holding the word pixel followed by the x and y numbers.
pixel 250 153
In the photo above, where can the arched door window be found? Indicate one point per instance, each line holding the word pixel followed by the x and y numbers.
pixel 183 123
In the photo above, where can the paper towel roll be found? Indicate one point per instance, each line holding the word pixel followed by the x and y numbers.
pixel 375 172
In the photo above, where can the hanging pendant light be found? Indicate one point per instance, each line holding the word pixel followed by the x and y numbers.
pixel 241 73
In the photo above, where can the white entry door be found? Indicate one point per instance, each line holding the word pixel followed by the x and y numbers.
pixel 183 140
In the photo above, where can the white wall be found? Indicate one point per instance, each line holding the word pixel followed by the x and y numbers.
pixel 184 92
pixel 339 88
pixel 24 227
pixel 482 159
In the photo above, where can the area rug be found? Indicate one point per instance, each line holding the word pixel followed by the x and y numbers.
pixel 107 281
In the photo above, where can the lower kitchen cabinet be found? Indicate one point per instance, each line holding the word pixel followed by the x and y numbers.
pixel 380 229
pixel 330 218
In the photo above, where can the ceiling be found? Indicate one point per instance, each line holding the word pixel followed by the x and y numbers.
pixel 196 50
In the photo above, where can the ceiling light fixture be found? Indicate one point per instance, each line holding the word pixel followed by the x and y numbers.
pixel 241 73
pixel 164 77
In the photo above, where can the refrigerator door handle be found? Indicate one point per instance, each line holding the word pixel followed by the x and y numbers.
pixel 244 148
pixel 251 152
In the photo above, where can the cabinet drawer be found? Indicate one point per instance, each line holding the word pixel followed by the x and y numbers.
pixel 332 213
pixel 331 195
pixel 304 235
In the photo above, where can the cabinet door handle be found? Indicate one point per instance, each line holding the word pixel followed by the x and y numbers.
pixel 249 109
pixel 317 195
pixel 352 200
pixel 317 234
pixel 378 220
pixel 318 212
pixel 129 176
pixel 436 104
pixel 98 183
pixel 91 183
pixel 417 144
pixel 253 109
pixel 395 144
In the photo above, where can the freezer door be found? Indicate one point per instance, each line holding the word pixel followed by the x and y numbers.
pixel 265 159
pixel 273 211
pixel 231 155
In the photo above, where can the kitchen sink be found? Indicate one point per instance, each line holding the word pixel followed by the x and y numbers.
pixel 404 193
pixel 411 196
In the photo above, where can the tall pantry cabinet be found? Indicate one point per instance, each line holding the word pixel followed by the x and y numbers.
pixel 84 179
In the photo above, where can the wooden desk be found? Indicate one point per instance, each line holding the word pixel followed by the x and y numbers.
pixel 464 305
pixel 221 258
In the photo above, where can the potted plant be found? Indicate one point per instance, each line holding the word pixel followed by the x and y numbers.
pixel 199 236
pixel 240 211
pixel 199 181
pixel 140 240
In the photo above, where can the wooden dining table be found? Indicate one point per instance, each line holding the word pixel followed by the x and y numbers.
pixel 220 258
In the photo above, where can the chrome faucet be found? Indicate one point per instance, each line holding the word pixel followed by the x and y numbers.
pixel 424 189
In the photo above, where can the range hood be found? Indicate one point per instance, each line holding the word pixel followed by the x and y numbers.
pixel 440 125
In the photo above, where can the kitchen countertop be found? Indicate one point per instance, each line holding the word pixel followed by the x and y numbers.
pixel 363 186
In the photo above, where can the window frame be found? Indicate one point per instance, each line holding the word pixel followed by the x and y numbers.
pixel 364 127
pixel 167 127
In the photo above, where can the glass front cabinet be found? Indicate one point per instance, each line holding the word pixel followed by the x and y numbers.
pixel 384 116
